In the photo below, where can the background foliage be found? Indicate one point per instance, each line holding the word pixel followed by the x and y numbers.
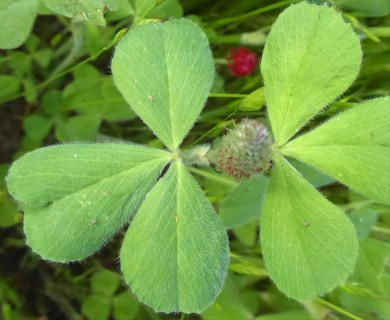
pixel 56 86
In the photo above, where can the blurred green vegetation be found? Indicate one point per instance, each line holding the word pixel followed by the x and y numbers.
pixel 56 86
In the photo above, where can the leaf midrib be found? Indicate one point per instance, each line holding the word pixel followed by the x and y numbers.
pixel 169 90
pixel 292 88
pixel 94 183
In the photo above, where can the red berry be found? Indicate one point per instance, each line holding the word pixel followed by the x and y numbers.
pixel 242 61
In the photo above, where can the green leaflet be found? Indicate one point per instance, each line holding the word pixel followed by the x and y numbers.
pixel 309 245
pixel 51 173
pixel 125 306
pixel 105 282
pixel 229 304
pixel 96 307
pixel 152 9
pixel 9 85
pixel 310 58
pixel 353 147
pixel 16 21
pixel 368 288
pixel 37 127
pixel 76 196
pixel 165 72
pixel 363 219
pixel 372 8
pixel 175 253
pixel 80 127
pixel 90 10
pixel 312 175
pixel 244 203
pixel 254 101
pixel 92 94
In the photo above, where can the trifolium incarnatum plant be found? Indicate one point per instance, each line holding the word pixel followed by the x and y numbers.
pixel 175 254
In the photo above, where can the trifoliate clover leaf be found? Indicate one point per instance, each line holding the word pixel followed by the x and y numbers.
pixel 77 196
pixel 310 58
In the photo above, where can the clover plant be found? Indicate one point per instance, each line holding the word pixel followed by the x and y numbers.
pixel 15 31
pixel 175 252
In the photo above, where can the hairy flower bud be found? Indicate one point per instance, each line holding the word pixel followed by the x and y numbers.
pixel 245 150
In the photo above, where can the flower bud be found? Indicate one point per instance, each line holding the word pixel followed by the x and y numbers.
pixel 245 150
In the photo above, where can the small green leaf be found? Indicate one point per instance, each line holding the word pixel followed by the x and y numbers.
pixel 247 233
pixel 372 265
pixel 353 147
pixel 37 127
pixel 310 58
pixel 175 253
pixel 43 57
pixel 165 72
pixel 78 128
pixel 165 9
pixel 52 103
pixel 315 177
pixel 372 8
pixel 16 21
pixel 248 265
pixel 368 289
pixel 105 282
pixel 142 7
pixel 75 197
pixel 90 10
pixel 96 307
pixel 363 219
pixel 309 245
pixel 30 90
pixel 254 101
pixel 157 9
pixel 125 9
pixel 244 203
pixel 9 86
pixel 228 305
pixel 113 105
pixel 125 306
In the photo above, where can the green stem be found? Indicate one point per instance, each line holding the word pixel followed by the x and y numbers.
pixel 383 32
pixel 228 39
pixel 338 309
pixel 62 303
pixel 356 205
pixel 183 316
pixel 226 21
pixel 221 61
pixel 361 27
pixel 78 41
pixel 218 178
pixel 218 126
pixel 381 230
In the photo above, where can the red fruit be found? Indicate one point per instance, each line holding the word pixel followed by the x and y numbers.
pixel 242 61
